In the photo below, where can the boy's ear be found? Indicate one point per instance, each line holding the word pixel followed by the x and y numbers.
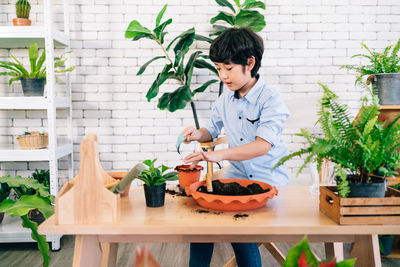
pixel 251 61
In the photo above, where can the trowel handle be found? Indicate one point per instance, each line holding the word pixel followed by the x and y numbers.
pixel 132 174
pixel 209 182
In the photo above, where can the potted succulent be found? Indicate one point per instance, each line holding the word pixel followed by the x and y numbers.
pixel 365 150
pixel 31 195
pixel 22 9
pixel 154 179
pixel 383 71
pixel 32 81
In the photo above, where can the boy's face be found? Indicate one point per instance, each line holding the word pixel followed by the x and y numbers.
pixel 235 76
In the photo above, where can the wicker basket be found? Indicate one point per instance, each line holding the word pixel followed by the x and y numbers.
pixel 33 141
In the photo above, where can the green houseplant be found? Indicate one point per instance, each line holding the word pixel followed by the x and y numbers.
pixel 175 67
pixel 22 10
pixel 154 179
pixel 365 150
pixel 300 255
pixel 239 15
pixel 32 81
pixel 30 195
pixel 383 71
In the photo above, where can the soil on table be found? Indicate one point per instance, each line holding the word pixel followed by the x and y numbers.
pixel 176 193
pixel 233 189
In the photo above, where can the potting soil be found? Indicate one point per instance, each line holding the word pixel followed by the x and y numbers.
pixel 233 189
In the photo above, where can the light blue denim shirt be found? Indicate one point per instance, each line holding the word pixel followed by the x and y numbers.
pixel 262 113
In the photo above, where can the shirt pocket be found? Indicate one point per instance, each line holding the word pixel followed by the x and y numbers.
pixel 251 121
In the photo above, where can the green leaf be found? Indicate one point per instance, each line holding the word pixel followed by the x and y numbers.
pixel 18 181
pixel 159 31
pixel 144 35
pixel 226 3
pixel 218 29
pixel 204 87
pixel 33 56
pixel 175 100
pixel 189 67
pixel 256 4
pixel 41 239
pixel 346 263
pixel 26 203
pixel 228 18
pixel 251 19
pixel 182 35
pixel 182 46
pixel 202 64
pixel 294 254
pixel 135 28
pixel 41 61
pixel 143 68
pixel 160 15
pixel 203 38
pixel 161 78
pixel 164 168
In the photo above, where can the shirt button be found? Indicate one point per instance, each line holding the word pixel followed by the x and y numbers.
pixel 240 118
pixel 251 176
pixel 241 139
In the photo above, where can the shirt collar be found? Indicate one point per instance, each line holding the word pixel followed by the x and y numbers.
pixel 254 92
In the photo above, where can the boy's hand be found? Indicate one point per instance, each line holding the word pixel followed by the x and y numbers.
pixel 191 134
pixel 197 156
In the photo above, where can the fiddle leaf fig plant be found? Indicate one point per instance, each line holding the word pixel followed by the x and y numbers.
pixel 176 68
pixel 154 176
pixel 34 196
pixel 240 15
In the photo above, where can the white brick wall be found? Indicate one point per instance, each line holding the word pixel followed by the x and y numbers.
pixel 305 41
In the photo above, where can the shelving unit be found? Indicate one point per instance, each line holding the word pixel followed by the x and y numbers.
pixel 49 38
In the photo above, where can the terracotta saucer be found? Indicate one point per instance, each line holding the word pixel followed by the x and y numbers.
pixel 231 203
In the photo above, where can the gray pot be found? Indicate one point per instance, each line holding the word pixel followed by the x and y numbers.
pixel 33 86
pixel 387 87
pixel 367 190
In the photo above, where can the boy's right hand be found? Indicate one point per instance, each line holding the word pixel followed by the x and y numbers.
pixel 191 134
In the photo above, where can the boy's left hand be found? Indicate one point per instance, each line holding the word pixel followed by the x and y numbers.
pixel 197 156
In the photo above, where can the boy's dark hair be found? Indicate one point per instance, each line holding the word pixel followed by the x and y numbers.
pixel 236 45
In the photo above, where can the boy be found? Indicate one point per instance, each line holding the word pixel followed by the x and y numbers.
pixel 253 116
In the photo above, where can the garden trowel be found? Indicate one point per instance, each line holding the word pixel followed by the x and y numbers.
pixel 132 174
pixel 181 138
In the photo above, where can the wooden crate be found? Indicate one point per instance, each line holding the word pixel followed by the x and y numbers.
pixel 360 210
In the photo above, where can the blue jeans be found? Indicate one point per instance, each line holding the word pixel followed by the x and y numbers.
pixel 247 254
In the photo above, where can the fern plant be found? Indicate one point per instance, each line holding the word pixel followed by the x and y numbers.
pixel 361 148
pixel 387 61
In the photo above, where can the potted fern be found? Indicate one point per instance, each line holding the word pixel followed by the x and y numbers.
pixel 22 9
pixel 365 150
pixel 383 71
pixel 154 179
pixel 32 81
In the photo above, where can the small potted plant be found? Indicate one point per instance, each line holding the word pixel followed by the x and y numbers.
pixel 31 195
pixel 22 9
pixel 187 175
pixel 154 179
pixel 33 81
pixel 383 71
pixel 365 150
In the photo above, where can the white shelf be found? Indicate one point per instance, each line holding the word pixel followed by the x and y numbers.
pixel 11 231
pixel 33 102
pixel 24 36
pixel 34 154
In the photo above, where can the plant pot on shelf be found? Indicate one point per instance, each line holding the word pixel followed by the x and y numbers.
pixel 188 176
pixel 154 195
pixel 119 176
pixel 387 87
pixel 385 244
pixel 21 22
pixel 33 86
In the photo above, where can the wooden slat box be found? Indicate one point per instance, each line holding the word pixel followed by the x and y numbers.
pixel 360 210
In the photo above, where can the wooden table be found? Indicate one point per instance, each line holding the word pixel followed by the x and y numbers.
pixel 286 218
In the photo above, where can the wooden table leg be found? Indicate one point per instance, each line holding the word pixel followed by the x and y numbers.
pixel 366 250
pixel 109 256
pixel 87 251
pixel 334 249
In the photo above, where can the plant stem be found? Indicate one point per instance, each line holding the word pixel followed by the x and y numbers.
pixel 196 120
pixel 170 60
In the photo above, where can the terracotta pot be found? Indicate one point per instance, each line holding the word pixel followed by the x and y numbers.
pixel 21 22
pixel 119 176
pixel 232 203
pixel 188 176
